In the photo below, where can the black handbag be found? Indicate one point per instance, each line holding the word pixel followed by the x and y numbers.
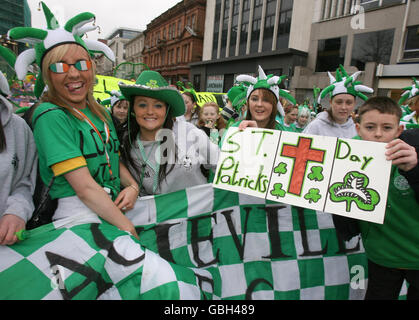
pixel 45 206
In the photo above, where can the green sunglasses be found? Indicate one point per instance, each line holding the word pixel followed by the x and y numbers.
pixel 62 67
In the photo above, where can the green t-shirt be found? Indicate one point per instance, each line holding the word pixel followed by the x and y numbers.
pixel 60 136
pixel 394 244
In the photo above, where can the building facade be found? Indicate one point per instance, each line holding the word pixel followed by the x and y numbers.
pixel 116 42
pixel 378 37
pixel 242 34
pixel 134 49
pixel 13 13
pixel 175 39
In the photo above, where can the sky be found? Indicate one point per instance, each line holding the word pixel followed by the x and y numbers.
pixel 110 14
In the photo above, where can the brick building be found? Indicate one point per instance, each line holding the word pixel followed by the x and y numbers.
pixel 175 39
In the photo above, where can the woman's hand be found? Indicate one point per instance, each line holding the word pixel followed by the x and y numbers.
pixel 9 225
pixel 247 124
pixel 127 198
pixel 402 155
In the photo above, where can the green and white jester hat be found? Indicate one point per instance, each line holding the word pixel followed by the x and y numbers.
pixel 10 57
pixel 409 92
pixel 44 40
pixel 115 96
pixel 345 84
pixel 270 83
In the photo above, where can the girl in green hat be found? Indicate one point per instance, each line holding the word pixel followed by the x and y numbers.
pixel 337 120
pixel 264 101
pixel 76 140
pixel 163 154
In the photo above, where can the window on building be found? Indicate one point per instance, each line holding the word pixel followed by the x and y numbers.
pixel 372 47
pixel 197 81
pixel 193 21
pixel 216 28
pixel 254 43
pixel 256 25
pixel 330 54
pixel 185 50
pixel 284 26
pixel 224 32
pixel 373 4
pixel 411 47
pixel 370 4
pixel 234 27
pixel 269 25
pixel 244 27
pixel 243 38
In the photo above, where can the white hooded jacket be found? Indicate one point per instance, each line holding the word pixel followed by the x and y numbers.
pixel 18 165
pixel 324 126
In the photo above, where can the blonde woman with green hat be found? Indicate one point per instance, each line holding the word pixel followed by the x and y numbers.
pixel 163 155
pixel 76 140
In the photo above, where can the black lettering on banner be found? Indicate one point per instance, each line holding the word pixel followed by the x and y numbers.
pixel 303 230
pixel 273 231
pixel 342 247
pixel 201 280
pixel 163 243
pixel 196 238
pixel 103 243
pixel 240 247
pixel 88 272
pixel 252 286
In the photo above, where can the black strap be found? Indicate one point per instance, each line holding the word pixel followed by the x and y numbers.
pixel 44 112
pixel 36 216
pixel 37 213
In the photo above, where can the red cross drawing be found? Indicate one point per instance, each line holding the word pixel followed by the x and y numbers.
pixel 302 153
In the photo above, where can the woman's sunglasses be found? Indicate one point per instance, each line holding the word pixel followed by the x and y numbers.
pixel 62 67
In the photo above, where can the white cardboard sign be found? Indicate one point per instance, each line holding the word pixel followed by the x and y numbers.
pixel 341 176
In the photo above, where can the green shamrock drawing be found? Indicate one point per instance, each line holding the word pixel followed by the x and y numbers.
pixel 354 189
pixel 278 191
pixel 313 195
pixel 281 168
pixel 316 174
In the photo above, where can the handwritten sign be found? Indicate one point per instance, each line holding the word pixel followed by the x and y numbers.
pixel 340 176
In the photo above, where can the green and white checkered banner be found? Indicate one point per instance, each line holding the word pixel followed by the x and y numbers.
pixel 198 243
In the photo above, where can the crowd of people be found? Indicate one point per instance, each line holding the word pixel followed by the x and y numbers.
pixel 154 140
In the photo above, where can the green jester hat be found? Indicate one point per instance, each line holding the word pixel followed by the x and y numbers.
pixel 10 57
pixel 115 96
pixel 270 83
pixel 343 83
pixel 409 92
pixel 409 116
pixel 44 40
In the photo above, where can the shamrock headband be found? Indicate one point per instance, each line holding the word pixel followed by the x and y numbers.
pixel 270 83
pixel 45 40
pixel 345 84
pixel 10 58
pixel 190 90
pixel 409 92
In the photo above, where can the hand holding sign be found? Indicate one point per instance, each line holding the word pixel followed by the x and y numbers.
pixel 340 176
